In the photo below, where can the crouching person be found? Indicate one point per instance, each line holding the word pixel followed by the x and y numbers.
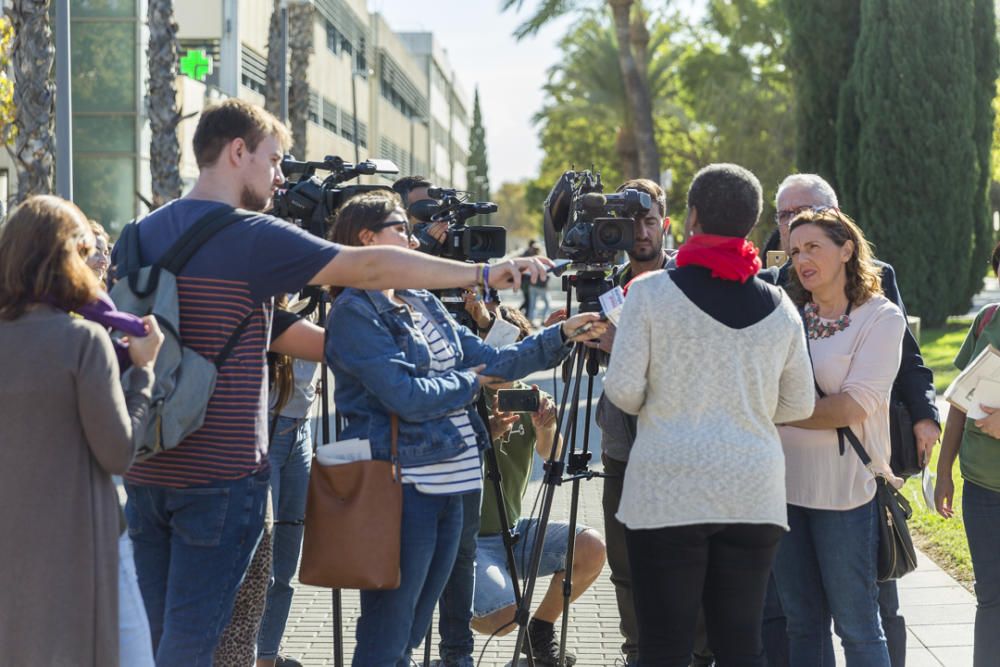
pixel 517 436
pixel 399 352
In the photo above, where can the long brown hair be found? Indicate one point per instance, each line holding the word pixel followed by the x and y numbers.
pixel 864 280
pixel 41 260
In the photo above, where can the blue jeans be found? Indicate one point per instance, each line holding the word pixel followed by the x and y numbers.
pixel 981 512
pixel 290 454
pixel 776 636
pixel 393 623
pixel 455 609
pixel 135 648
pixel 192 548
pixel 826 567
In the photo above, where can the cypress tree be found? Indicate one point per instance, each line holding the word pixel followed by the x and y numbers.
pixel 478 169
pixel 822 37
pixel 914 79
pixel 984 40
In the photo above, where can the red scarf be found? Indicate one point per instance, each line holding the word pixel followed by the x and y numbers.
pixel 728 257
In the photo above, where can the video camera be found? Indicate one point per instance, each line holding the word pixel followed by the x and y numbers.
pixel 594 226
pixel 312 200
pixel 478 243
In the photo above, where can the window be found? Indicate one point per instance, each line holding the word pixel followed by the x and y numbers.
pixel 346 46
pixel 332 37
pixel 360 61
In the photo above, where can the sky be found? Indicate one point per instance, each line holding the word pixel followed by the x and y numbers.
pixel 510 74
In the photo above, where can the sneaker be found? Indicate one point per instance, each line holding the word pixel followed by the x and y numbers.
pixel 544 646
pixel 282 661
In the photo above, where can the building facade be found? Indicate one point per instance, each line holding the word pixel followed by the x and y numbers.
pixel 373 93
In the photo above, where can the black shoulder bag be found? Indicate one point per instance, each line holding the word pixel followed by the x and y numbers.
pixel 896 555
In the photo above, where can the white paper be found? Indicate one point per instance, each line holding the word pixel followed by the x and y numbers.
pixel 927 484
pixel 987 392
pixel 612 299
pixel 502 333
pixel 962 390
pixel 344 451
pixel 615 314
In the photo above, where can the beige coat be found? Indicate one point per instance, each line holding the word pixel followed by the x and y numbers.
pixel 65 427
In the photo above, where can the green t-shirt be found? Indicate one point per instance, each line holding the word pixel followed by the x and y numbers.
pixel 979 457
pixel 515 454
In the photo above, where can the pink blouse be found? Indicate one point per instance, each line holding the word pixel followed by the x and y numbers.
pixel 862 361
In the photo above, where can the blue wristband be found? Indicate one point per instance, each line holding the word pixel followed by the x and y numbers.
pixel 486 283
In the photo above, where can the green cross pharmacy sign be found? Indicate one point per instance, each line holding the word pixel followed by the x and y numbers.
pixel 196 64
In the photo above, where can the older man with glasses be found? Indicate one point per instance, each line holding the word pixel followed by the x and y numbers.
pixel 914 387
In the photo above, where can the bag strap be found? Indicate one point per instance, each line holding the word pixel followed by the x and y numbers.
pixel 128 242
pixel 991 310
pixel 397 473
pixel 234 338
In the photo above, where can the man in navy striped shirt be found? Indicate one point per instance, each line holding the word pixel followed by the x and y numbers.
pixel 196 512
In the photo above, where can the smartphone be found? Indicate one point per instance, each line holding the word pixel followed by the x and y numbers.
pixel 558 265
pixel 776 258
pixel 518 400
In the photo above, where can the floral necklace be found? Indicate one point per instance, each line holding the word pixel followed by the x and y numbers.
pixel 818 329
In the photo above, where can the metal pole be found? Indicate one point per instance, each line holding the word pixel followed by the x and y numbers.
pixel 354 112
pixel 283 13
pixel 64 104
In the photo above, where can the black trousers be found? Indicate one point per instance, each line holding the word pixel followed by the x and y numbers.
pixel 722 568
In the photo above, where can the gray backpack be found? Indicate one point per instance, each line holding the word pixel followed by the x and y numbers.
pixel 184 379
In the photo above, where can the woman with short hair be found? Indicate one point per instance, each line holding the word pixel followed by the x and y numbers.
pixel 826 564
pixel 66 425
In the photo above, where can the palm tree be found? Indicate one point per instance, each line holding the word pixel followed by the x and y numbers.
pixel 636 87
pixel 33 55
pixel 300 46
pixel 161 103
pixel 272 89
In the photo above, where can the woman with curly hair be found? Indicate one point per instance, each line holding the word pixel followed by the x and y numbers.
pixel 826 563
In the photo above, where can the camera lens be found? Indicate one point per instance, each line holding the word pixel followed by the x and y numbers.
pixel 609 235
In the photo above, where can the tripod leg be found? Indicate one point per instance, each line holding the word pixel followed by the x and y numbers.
pixel 427 645
pixel 553 477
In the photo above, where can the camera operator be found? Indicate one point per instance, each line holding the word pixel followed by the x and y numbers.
pixel 412 189
pixel 196 512
pixel 617 427
pixel 400 353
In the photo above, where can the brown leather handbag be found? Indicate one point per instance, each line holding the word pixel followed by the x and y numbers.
pixel 352 524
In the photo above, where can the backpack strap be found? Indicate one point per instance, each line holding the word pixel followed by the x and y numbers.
pixel 234 338
pixel 128 259
pixel 988 314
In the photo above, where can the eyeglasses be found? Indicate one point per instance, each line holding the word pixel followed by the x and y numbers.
pixel 785 216
pixel 385 224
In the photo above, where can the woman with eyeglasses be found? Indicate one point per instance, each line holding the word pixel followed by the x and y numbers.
pixel 826 563
pixel 66 426
pixel 399 352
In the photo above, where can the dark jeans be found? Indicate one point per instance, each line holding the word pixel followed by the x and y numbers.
pixel 722 568
pixel 826 568
pixel 981 512
pixel 192 549
pixel 455 608
pixel 621 573
pixel 394 622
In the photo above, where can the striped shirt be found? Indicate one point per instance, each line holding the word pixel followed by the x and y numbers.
pixel 461 473
pixel 235 273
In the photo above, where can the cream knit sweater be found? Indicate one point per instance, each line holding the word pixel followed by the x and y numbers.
pixel 708 398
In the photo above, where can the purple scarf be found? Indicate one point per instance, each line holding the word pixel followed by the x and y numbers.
pixel 103 312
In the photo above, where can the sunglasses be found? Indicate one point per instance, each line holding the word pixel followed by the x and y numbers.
pixel 786 215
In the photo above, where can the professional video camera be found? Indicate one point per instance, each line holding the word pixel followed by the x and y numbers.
pixel 311 199
pixel 594 226
pixel 479 243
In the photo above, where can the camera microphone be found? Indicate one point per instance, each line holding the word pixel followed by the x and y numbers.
pixel 425 209
pixel 441 193
pixel 593 200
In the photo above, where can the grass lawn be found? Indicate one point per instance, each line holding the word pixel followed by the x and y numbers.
pixel 942 539
pixel 939 347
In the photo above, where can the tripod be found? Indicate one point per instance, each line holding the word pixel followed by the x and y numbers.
pixel 590 284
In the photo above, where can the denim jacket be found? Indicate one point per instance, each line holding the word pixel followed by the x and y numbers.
pixel 381 366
